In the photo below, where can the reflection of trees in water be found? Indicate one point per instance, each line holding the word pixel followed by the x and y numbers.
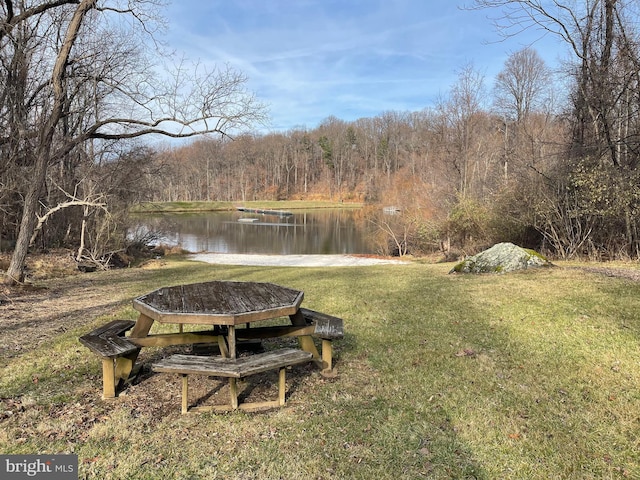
pixel 315 232
pixel 151 230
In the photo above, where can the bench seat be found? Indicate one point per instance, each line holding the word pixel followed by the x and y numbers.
pixel 328 328
pixel 108 340
pixel 116 351
pixel 233 369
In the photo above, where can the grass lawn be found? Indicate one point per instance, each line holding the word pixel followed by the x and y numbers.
pixel 533 375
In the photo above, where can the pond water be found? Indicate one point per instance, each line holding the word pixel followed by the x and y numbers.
pixel 330 231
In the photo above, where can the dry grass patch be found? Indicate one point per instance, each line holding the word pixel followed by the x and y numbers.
pixel 530 375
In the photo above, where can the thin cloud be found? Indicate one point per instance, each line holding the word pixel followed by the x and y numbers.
pixel 351 58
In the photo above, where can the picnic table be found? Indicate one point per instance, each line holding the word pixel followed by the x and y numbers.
pixel 230 310
pixel 225 305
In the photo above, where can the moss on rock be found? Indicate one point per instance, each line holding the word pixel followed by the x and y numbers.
pixel 501 258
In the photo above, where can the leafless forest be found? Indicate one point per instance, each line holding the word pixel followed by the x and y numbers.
pixel 545 158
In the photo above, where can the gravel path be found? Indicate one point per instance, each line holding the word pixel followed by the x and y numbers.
pixel 292 260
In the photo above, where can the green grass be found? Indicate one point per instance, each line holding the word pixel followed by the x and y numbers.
pixel 530 375
pixel 168 207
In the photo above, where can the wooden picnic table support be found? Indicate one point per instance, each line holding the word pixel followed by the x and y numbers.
pixel 117 353
pixel 328 328
pixel 233 369
pixel 223 305
pixel 306 341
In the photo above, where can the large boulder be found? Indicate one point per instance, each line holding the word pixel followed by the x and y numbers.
pixel 501 258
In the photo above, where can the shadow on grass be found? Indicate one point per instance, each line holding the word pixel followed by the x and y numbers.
pixel 439 376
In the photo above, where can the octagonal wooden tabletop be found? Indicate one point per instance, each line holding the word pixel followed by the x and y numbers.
pixel 219 302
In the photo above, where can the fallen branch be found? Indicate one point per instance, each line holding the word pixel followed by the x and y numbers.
pixel 70 203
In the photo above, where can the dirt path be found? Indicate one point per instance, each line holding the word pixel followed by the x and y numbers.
pixel 30 317
pixel 63 299
pixel 629 274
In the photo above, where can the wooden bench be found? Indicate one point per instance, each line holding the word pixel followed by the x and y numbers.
pixel 108 342
pixel 327 328
pixel 233 369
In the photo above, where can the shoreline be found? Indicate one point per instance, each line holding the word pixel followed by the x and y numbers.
pixel 292 260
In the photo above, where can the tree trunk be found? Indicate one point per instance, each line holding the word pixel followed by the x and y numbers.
pixel 15 273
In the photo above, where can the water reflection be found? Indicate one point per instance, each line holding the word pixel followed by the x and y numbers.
pixel 306 232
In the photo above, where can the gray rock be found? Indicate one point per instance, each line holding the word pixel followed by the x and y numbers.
pixel 501 258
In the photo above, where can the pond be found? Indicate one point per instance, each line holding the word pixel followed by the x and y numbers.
pixel 321 231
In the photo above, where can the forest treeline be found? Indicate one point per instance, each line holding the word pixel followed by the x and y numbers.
pixel 522 158
pixel 462 175
pixel 545 158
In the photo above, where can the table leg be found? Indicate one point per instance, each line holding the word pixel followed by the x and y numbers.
pixel 124 365
pixel 327 358
pixel 233 392
pixel 108 379
pixel 185 394
pixel 222 345
pixel 142 326
pixel 116 371
pixel 232 341
pixel 282 389
pixel 306 341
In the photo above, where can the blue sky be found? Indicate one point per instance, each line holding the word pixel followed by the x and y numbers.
pixel 310 59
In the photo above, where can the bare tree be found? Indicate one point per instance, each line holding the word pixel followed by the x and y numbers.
pixel 603 39
pixel 521 87
pixel 604 43
pixel 523 97
pixel 51 110
pixel 461 115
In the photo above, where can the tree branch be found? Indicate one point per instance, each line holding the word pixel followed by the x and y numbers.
pixel 70 203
